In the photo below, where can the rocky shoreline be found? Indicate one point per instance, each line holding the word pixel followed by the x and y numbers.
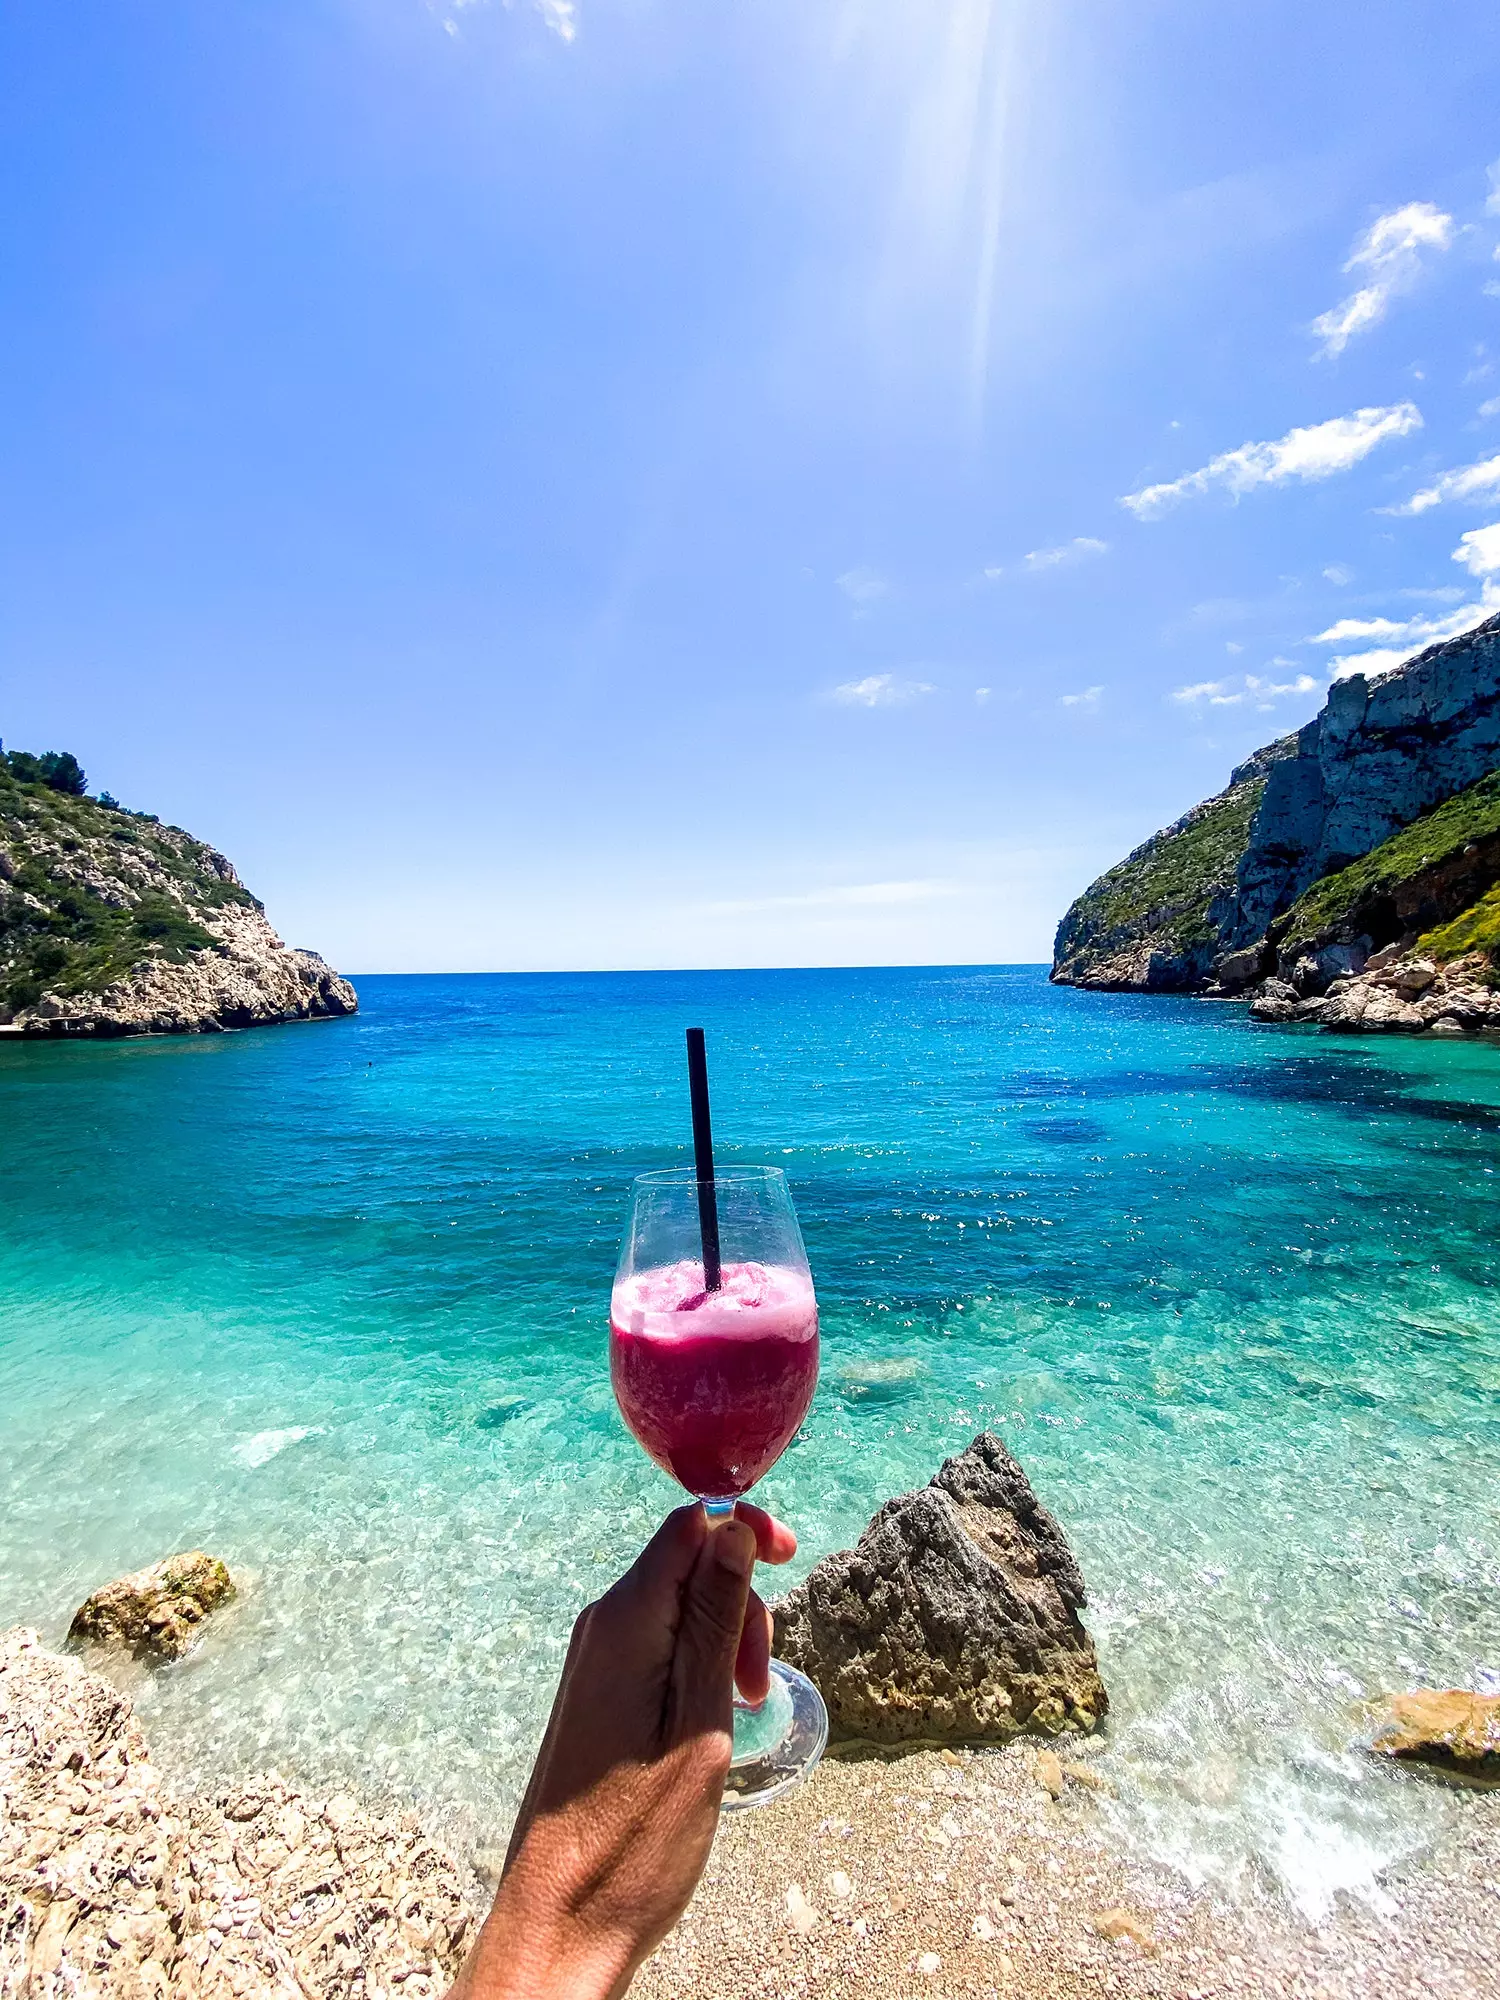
pixel 905 1865
pixel 1394 993
pixel 111 1885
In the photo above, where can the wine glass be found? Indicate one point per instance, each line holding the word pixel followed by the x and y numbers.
pixel 713 1382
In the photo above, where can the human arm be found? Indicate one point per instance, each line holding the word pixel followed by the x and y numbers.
pixel 620 1813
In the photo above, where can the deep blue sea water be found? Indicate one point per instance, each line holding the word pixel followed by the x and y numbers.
pixel 330 1301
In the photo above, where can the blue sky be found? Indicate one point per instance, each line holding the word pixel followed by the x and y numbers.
pixel 637 483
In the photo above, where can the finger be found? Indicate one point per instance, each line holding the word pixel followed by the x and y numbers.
pixel 752 1662
pixel 651 1589
pixel 774 1540
pixel 713 1616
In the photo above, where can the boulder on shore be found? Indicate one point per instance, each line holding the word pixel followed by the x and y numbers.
pixel 1451 1730
pixel 156 1614
pixel 111 1887
pixel 953 1619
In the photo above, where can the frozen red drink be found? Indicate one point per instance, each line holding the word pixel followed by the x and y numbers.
pixel 714 1384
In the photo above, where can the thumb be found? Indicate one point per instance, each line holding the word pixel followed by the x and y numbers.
pixel 708 1636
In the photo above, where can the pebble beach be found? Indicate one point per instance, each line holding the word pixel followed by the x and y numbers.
pixel 993 1872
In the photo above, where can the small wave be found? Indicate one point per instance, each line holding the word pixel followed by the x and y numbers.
pixel 257 1450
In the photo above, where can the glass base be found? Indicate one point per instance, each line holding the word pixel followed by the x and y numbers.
pixel 777 1744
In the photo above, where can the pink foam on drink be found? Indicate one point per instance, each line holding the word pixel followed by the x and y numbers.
pixel 752 1300
pixel 714 1384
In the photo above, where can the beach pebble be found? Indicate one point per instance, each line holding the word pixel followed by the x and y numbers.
pixel 984 1929
pixel 929 1964
pixel 1086 1775
pixel 838 1884
pixel 1047 1766
pixel 800 1912
pixel 1121 1923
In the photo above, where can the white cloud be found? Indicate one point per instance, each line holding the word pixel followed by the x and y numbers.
pixel 863 586
pixel 1491 408
pixel 1089 699
pixel 1404 631
pixel 1389 257
pixel 1467 482
pixel 1479 551
pixel 982 695
pixel 561 17
pixel 1337 573
pixel 1315 451
pixel 1404 636
pixel 1492 206
pixel 856 896
pixel 1078 550
pixel 1254 691
pixel 881 691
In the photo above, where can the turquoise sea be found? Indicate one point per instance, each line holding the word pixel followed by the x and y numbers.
pixel 330 1301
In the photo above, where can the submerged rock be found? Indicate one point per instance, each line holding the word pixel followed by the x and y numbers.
pixel 954 1617
pixel 112 1887
pixel 1450 1730
pixel 155 1614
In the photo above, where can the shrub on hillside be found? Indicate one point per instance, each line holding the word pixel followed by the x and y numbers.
pixel 59 770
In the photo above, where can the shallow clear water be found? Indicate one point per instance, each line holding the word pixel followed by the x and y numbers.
pixel 330 1301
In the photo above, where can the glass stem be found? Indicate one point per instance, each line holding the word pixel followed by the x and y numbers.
pixel 717 1511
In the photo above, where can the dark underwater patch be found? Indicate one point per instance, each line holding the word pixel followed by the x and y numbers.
pixel 498 1415
pixel 1067 1131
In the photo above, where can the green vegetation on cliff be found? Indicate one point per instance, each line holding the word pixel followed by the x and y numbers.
pixel 1180 871
pixel 87 891
pixel 1476 929
pixel 1436 859
pixel 1161 901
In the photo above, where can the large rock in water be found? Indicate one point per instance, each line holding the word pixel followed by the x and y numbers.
pixel 154 1614
pixel 1449 1730
pixel 953 1619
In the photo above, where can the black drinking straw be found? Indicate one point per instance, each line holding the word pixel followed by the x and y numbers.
pixel 703 1159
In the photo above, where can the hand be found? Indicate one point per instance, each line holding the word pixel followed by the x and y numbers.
pixel 622 1806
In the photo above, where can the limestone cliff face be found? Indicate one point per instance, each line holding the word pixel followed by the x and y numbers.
pixel 112 924
pixel 1381 754
pixel 1206 903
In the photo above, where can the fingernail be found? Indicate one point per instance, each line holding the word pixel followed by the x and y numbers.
pixel 734 1548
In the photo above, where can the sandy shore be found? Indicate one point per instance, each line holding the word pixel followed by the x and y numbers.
pixel 960 1873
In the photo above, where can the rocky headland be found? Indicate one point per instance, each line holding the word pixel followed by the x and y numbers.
pixel 1348 875
pixel 114 924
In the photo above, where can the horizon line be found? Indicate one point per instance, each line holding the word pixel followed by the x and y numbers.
pixel 676 971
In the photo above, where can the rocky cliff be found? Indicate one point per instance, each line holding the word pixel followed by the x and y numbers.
pixel 1367 829
pixel 113 924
